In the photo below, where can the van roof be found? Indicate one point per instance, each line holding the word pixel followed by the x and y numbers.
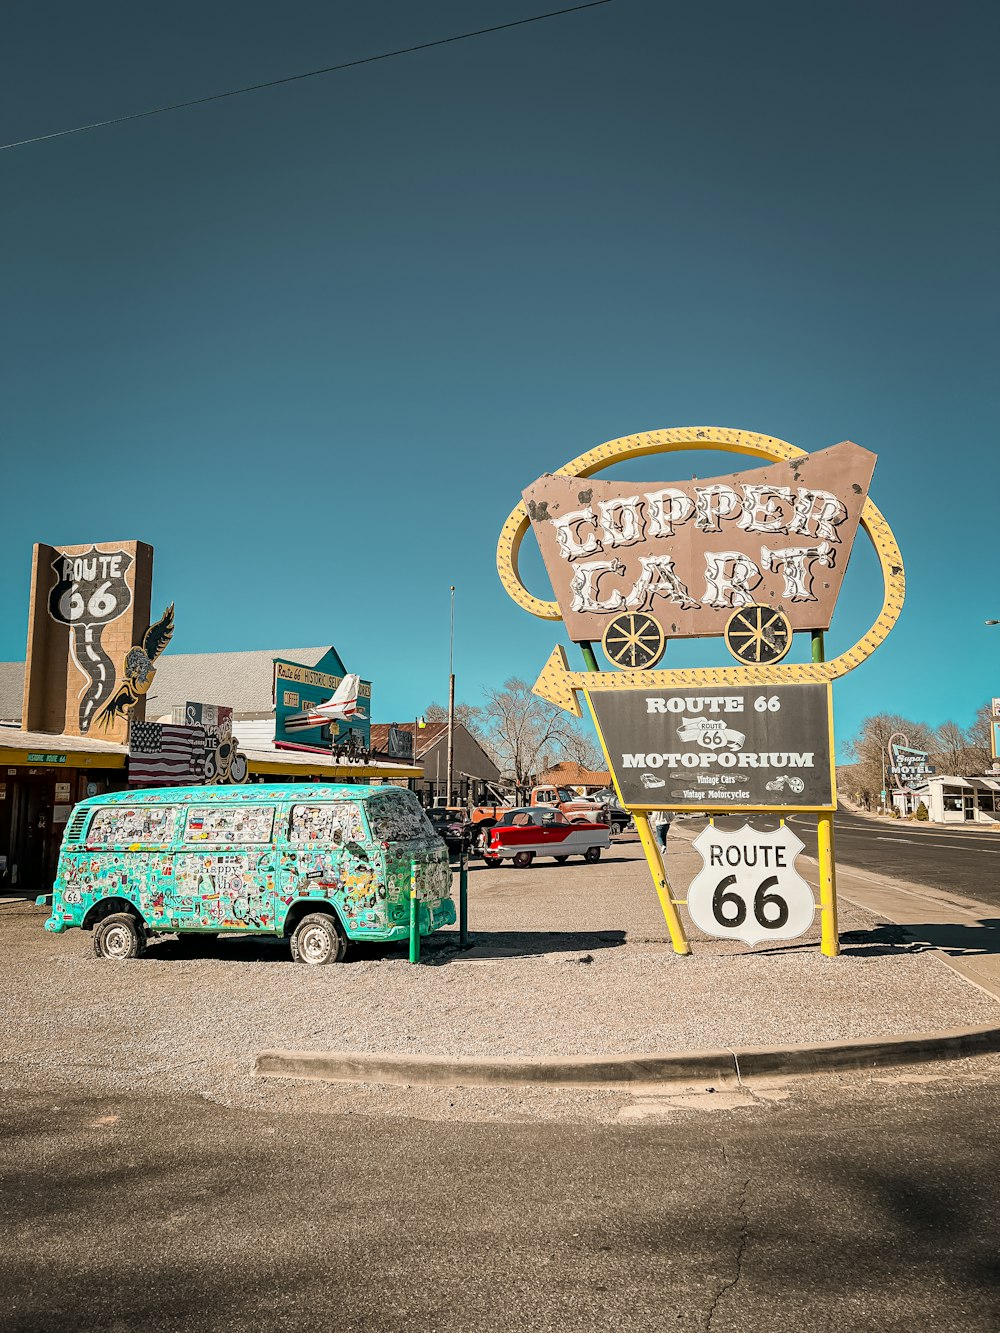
pixel 232 794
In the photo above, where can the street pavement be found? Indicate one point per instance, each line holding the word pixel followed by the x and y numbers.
pixel 961 859
pixel 861 1201
pixel 864 1204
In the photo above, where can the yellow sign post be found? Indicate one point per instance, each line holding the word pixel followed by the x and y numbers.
pixel 766 547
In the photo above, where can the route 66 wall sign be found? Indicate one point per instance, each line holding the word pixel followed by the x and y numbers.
pixel 89 607
pixel 748 888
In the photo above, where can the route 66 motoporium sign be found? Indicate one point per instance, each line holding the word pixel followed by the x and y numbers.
pixel 742 747
pixel 748 888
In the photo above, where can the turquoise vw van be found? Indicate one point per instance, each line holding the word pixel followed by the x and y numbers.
pixel 319 864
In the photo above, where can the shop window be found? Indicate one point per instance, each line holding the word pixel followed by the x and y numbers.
pixel 952 804
pixel 125 825
pixel 240 824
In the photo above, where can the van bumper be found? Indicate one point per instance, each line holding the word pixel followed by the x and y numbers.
pixel 53 923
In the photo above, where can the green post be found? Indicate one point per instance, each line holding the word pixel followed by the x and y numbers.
pixel 414 916
pixel 463 899
pixel 589 660
pixel 819 653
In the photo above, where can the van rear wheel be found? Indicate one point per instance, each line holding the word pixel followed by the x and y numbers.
pixel 119 936
pixel 317 940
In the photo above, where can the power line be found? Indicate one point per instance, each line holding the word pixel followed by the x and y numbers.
pixel 309 74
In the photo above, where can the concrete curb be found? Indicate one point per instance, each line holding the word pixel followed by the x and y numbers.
pixel 714 1067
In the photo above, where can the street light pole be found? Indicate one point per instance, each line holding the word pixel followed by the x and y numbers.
pixel 451 698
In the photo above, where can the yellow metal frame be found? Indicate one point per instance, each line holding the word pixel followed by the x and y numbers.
pixel 558 684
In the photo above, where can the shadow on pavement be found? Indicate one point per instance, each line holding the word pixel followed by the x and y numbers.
pixel 435 949
pixel 523 943
pixel 954 937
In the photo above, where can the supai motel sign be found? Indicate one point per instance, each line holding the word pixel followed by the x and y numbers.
pixel 752 556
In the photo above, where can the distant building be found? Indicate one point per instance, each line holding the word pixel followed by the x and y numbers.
pixel 954 800
pixel 472 768
pixel 571 774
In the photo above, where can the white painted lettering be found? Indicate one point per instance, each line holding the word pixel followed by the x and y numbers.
pixel 729 578
pixel 570 545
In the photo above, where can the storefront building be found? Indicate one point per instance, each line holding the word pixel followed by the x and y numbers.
pixel 954 800
pixel 98 706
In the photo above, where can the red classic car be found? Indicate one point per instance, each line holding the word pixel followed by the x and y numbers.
pixel 538 830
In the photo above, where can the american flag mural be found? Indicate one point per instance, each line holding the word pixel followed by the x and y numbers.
pixel 164 754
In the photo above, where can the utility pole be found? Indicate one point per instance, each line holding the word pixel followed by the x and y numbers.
pixel 451 697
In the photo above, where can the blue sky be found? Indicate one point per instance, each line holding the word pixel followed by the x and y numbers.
pixel 311 343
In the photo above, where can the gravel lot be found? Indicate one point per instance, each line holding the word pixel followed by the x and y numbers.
pixel 568 960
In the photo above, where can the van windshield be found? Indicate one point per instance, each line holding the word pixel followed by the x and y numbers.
pixel 398 816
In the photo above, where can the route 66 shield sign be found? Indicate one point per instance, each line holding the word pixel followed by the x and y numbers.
pixel 748 888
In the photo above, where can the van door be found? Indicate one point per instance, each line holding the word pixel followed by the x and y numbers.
pixel 328 855
pixel 225 873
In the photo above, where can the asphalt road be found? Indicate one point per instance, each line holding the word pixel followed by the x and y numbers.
pixel 961 860
pixel 869 1206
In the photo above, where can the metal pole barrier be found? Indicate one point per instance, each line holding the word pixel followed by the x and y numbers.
pixel 657 869
pixel 463 898
pixel 414 916
pixel 829 931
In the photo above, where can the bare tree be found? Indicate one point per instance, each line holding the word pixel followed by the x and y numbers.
pixel 978 739
pixel 522 728
pixel 951 752
pixel 469 715
pixel 869 750
pixel 585 751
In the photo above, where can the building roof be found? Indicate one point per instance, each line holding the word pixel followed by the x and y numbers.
pixel 241 681
pixel 571 774
pixel 427 735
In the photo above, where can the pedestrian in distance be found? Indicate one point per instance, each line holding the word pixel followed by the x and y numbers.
pixel 660 819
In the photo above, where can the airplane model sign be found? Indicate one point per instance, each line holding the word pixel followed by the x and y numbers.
pixel 342 707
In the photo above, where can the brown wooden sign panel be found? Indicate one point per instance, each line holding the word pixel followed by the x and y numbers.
pixel 690 553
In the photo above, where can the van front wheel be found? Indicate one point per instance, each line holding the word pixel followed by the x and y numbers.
pixel 119 936
pixel 317 940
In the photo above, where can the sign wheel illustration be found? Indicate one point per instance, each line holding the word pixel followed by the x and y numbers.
pixel 753 558
pixel 634 640
pixel 756 634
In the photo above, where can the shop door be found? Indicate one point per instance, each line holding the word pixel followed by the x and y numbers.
pixel 968 807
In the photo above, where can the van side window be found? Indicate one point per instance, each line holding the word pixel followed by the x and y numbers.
pixel 123 825
pixel 398 815
pixel 229 824
pixel 315 823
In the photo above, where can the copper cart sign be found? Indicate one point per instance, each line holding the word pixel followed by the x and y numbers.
pixel 751 557
pixel 693 552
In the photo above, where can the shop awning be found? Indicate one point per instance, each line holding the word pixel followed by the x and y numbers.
pixel 43 749
pixel 304 764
